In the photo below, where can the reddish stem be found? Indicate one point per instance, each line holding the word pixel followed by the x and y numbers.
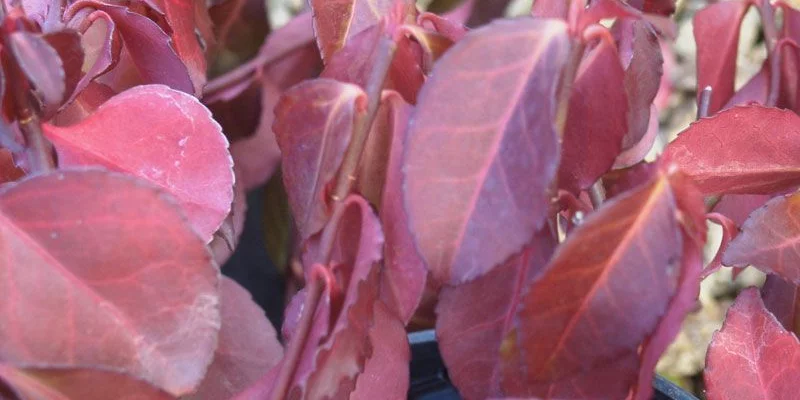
pixel 352 156
pixel 292 356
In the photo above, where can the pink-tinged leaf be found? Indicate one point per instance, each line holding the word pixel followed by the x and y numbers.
pixel 716 32
pixel 470 336
pixel 446 27
pixel 744 150
pixel 768 240
pixel 47 13
pixel 482 147
pixel 115 306
pixel 737 207
pixel 605 290
pixel 729 231
pixel 386 373
pixel 337 21
pixel 782 299
pixel 404 274
pixel 182 19
pixel 597 119
pixel 355 61
pixel 313 125
pixel 67 44
pixel 84 104
pixel 789 92
pixel 101 44
pixel 41 64
pixel 55 383
pixel 754 91
pixel 640 52
pixel 178 147
pixel 247 347
pixel 357 249
pixel 690 204
pixel 752 357
pixel 150 48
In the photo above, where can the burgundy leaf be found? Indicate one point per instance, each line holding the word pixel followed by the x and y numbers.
pixel 55 383
pixel 247 347
pixel 738 207
pixel 404 275
pixel 314 121
pixel 68 46
pixel 41 64
pixel 470 337
pixel 603 292
pixel 226 238
pixel 178 147
pixel 149 47
pixel 745 150
pixel 782 299
pixel 239 28
pixel 390 358
pixel 716 32
pixel 101 44
pixel 768 240
pixel 789 92
pixel 9 171
pixel 336 21
pixel 597 122
pixel 115 306
pixel 476 174
pixel 641 54
pixel 83 105
pixel 752 356
pixel 754 91
pixel 356 60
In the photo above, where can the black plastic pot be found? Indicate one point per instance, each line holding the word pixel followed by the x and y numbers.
pixel 429 380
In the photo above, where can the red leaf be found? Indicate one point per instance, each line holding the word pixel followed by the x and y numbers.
pixel 782 299
pixel 484 11
pixel 604 291
pixel 41 64
pixel 53 383
pixel 226 238
pixel 68 46
pixel 390 358
pixel 247 346
pixel 183 20
pixel 716 32
pixel 747 150
pixel 768 240
pixel 476 174
pixel 150 48
pixel 470 336
pixel 738 207
pixel 313 125
pixel 8 169
pixel 597 122
pixel 752 356
pixel 641 53
pixel 336 21
pixel 404 275
pixel 83 105
pixel 102 46
pixel 69 308
pixel 355 61
pixel 179 147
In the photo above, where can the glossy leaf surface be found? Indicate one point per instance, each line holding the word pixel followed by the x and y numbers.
pixel 178 147
pixel 469 337
pixel 313 125
pixel 716 32
pixel 768 239
pixel 604 290
pixel 115 306
pixel 745 150
pixel 752 356
pixel 476 174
